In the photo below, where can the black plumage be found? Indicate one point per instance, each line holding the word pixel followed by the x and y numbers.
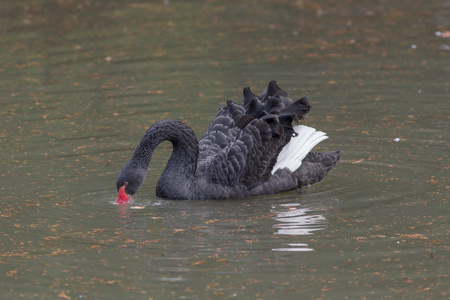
pixel 236 156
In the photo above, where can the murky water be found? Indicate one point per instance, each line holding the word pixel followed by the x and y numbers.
pixel 81 81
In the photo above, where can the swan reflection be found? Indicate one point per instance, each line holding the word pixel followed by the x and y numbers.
pixel 294 220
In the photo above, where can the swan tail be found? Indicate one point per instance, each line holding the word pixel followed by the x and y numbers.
pixel 315 166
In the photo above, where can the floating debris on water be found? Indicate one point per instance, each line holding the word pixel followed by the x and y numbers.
pixel 444 47
pixel 137 207
pixel 397 140
pixel 444 34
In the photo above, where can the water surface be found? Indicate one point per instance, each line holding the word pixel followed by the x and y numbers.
pixel 82 81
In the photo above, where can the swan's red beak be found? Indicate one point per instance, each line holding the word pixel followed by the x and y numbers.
pixel 122 197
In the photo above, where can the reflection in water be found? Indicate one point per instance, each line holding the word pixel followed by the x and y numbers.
pixel 297 221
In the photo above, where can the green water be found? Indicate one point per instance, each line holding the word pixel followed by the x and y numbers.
pixel 81 81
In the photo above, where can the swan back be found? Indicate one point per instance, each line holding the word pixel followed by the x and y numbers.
pixel 243 142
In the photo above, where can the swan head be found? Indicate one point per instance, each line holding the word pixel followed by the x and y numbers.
pixel 128 182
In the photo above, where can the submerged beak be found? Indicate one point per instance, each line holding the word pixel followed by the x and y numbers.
pixel 122 196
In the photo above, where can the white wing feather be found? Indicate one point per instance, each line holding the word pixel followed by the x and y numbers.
pixel 298 147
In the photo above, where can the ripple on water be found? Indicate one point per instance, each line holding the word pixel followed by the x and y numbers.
pixel 297 221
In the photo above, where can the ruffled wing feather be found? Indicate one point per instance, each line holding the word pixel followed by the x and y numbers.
pixel 241 145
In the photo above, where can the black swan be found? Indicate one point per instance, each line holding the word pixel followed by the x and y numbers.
pixel 248 150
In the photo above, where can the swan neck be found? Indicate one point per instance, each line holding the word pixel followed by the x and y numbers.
pixel 185 146
pixel 176 180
